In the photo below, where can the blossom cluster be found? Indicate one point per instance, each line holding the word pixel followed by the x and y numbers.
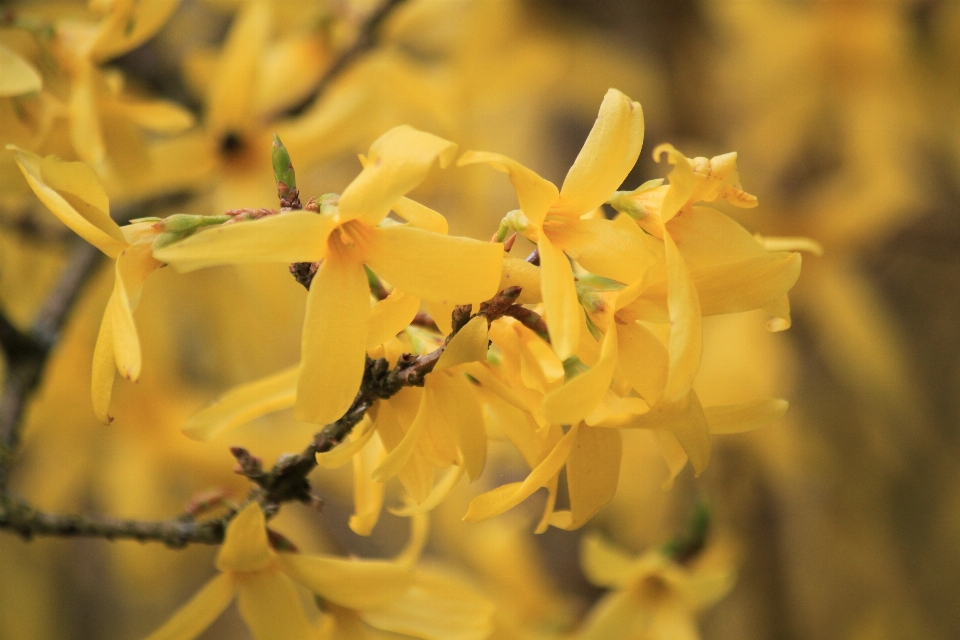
pixel 599 330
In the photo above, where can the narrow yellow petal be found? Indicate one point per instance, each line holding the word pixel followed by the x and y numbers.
pixel 367 493
pixel 536 195
pixel 673 456
pixel 689 424
pixel 686 329
pixel 355 584
pixel 607 156
pixel 17 76
pixel 748 284
pixel 390 316
pixel 616 616
pixel 420 216
pixel 398 457
pixel 269 604
pixel 435 267
pixel 643 359
pixel 442 314
pixel 133 266
pixel 294 236
pixel 439 492
pixel 520 273
pixel 345 452
pixel 398 161
pixel 244 403
pixel 707 237
pixel 334 341
pixel 231 93
pixel 457 401
pixel 86 135
pixel 746 416
pixel 468 345
pixel 572 402
pixel 91 221
pixel 682 181
pixel 245 545
pixel 436 607
pixel 123 31
pixel 195 616
pixel 159 116
pixel 604 564
pixel 615 249
pixel 559 299
pixel 104 368
pixel 507 496
pixel 593 469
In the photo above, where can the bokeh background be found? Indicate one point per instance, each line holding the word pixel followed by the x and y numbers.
pixel 844 517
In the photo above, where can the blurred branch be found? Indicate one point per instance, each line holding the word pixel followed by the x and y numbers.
pixel 28 522
pixel 26 353
pixel 366 40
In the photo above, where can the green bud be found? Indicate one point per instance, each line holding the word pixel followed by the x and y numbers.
pixel 182 225
pixel 282 168
pixel 573 366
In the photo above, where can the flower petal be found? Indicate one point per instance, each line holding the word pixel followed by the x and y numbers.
pixel 559 298
pixel 17 76
pixel 685 420
pixel 195 616
pixel 345 452
pixel 745 285
pixel 245 545
pixel 686 329
pixel 593 469
pixel 104 368
pixel 507 496
pixel 520 273
pixel 607 156
pixel 536 195
pixel 420 216
pixel 468 345
pixel 231 93
pixel 355 584
pixel 439 492
pixel 615 249
pixel 707 237
pixel 604 564
pixel 293 236
pixel 82 205
pixel 398 161
pixel 390 316
pixel 457 401
pixel 572 402
pixel 133 266
pixel 614 617
pixel 436 607
pixel 123 30
pixel 159 116
pixel 271 607
pixel 398 457
pixel 746 416
pixel 334 342
pixel 682 181
pixel 244 403
pixel 643 359
pixel 435 267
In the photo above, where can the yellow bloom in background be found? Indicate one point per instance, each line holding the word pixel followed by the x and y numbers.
pixel 552 217
pixel 73 192
pixel 17 76
pixel 417 262
pixel 654 597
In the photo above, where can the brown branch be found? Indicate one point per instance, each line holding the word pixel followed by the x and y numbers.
pixel 21 518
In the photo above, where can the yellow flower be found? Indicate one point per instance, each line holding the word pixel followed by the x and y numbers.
pixel 346 237
pixel 17 76
pixel 72 191
pixel 387 595
pixel 654 597
pixel 553 218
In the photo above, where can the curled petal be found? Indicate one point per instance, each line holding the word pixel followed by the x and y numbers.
pixel 271 607
pixel 104 368
pixel 686 329
pixel 398 161
pixel 133 266
pixel 682 181
pixel 593 469
pixel 536 195
pixel 577 398
pixel 72 191
pixel 507 496
pixel 607 156
pixel 468 345
pixel 440 491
